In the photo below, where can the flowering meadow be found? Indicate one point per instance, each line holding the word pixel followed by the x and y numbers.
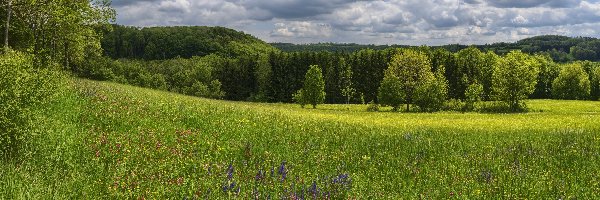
pixel 110 141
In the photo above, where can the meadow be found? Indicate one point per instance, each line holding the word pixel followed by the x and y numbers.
pixel 105 140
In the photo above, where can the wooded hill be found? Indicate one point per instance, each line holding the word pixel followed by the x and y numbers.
pixel 159 43
pixel 560 48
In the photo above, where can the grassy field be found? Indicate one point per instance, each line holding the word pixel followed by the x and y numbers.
pixel 107 140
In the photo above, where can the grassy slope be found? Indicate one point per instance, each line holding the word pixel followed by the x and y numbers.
pixel 121 141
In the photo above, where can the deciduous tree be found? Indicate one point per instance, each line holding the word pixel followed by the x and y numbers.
pixel 514 79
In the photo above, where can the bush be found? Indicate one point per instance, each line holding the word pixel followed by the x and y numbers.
pixel 373 107
pixel 25 89
pixel 454 105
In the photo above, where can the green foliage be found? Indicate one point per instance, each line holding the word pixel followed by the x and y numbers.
pixel 345 78
pixel 181 147
pixel 514 79
pixel 25 90
pixel 430 96
pixel 299 98
pixel 373 107
pixel 314 86
pixel 595 84
pixel 470 68
pixel 548 72
pixel 473 96
pixel 159 43
pixel 391 92
pixel 59 31
pixel 572 83
pixel 411 70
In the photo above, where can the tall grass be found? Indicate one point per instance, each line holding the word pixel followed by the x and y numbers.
pixel 110 141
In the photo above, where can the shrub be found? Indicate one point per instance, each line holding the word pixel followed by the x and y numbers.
pixel 572 83
pixel 25 88
pixel 373 107
pixel 454 105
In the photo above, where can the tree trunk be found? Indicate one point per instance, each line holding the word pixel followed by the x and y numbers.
pixel 8 9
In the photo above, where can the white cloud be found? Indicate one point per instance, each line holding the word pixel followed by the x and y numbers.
pixel 380 21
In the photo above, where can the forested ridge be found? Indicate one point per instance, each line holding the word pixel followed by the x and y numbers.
pixel 217 62
pixel 560 48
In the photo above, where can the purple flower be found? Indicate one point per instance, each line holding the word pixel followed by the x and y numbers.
pixel 282 171
pixel 260 175
pixel 230 172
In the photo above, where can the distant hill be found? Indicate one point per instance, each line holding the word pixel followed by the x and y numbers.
pixel 560 48
pixel 157 43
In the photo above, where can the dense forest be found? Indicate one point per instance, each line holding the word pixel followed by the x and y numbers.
pixel 560 48
pixel 157 43
pixel 217 62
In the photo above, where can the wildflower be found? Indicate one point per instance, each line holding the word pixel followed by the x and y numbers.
pixel 282 171
pixel 272 171
pixel 313 189
pixel 230 172
pixel 260 175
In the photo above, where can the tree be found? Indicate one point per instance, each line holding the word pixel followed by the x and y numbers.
pixel 314 86
pixel 572 83
pixel 548 72
pixel 514 79
pixel 390 91
pixel 59 31
pixel 298 97
pixel 412 69
pixel 7 26
pixel 595 84
pixel 433 93
pixel 348 90
pixel 473 95
pixel 470 62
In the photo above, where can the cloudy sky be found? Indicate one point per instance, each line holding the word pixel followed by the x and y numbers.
pixel 413 22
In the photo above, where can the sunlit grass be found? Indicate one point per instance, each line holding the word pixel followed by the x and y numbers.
pixel 128 142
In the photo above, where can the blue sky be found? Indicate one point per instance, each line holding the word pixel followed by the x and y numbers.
pixel 412 22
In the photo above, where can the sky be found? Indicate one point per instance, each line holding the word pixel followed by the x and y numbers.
pixel 408 22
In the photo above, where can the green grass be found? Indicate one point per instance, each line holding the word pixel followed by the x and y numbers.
pixel 114 141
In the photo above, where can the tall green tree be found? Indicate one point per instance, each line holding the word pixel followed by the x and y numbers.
pixel 314 86
pixel 595 84
pixel 514 79
pixel 548 72
pixel 345 78
pixel 412 68
pixel 390 91
pixel 60 31
pixel 470 62
pixel 572 83
pixel 431 95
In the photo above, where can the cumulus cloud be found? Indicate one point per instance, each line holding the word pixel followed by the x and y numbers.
pixel 374 21
pixel 302 29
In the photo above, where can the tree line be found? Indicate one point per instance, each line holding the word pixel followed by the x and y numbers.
pixel 42 38
pixel 560 48
pixel 465 76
